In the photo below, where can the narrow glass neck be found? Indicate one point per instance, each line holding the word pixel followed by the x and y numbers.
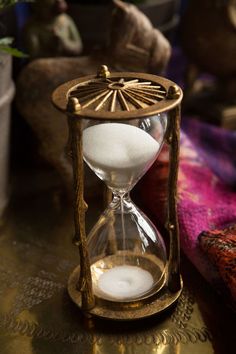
pixel 121 201
pixel 121 195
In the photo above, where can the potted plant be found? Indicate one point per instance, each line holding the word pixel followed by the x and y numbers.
pixel 7 90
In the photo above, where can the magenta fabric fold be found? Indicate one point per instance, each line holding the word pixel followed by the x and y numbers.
pixel 206 189
pixel 205 202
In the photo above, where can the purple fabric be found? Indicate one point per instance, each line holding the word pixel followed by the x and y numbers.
pixel 207 180
pixel 205 202
pixel 206 189
pixel 217 147
pixel 177 66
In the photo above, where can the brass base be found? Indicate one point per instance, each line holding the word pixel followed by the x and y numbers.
pixel 130 311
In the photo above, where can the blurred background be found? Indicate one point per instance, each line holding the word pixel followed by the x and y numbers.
pixel 93 20
pixel 192 42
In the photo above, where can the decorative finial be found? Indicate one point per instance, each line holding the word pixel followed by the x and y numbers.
pixel 73 104
pixel 173 92
pixel 103 72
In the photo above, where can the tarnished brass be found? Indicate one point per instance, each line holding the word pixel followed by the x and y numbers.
pixel 117 97
pixel 73 105
pixel 140 95
pixel 84 284
pixel 126 311
pixel 173 132
pixel 36 314
pixel 103 72
pixel 173 92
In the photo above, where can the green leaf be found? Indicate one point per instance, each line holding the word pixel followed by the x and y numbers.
pixel 6 41
pixel 7 3
pixel 12 51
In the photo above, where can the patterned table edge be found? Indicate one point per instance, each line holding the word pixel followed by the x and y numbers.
pixel 165 336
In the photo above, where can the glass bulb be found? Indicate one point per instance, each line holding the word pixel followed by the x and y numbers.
pixel 127 253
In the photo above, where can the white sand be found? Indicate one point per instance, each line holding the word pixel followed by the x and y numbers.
pixel 120 151
pixel 125 282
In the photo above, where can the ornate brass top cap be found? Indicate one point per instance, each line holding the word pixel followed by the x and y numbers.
pixel 118 95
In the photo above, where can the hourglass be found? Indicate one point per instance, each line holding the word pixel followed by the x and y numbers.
pixel 118 123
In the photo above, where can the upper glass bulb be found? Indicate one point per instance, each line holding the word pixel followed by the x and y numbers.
pixel 120 153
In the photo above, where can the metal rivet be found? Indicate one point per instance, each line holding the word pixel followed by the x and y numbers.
pixel 170 226
pixel 73 104
pixel 173 92
pixel 103 72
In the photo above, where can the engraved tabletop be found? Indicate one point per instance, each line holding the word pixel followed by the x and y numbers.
pixel 37 315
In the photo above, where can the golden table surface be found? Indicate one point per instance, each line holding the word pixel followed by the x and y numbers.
pixel 37 315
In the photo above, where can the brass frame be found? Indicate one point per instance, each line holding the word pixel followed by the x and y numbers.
pixel 173 98
pixel 80 282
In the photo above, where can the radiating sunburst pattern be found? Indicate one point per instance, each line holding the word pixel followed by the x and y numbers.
pixel 114 95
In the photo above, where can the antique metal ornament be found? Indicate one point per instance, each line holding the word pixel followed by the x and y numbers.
pixel 125 272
